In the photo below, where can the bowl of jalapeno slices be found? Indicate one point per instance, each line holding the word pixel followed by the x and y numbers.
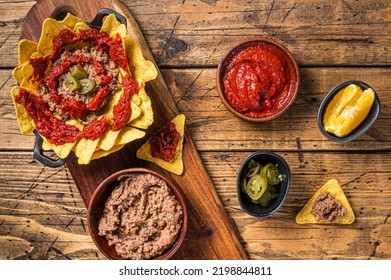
pixel 262 183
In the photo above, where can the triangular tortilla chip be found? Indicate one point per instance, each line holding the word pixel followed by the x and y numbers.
pixel 84 149
pixel 142 70
pixel 109 24
pixel 62 151
pixel 101 153
pixel 128 134
pixel 26 123
pixel 80 26
pixel 145 119
pixel 334 189
pixel 70 21
pixel 50 29
pixel 25 49
pixel 176 165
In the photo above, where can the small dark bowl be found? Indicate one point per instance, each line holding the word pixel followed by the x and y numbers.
pixel 257 210
pixel 97 205
pixel 372 117
pixel 291 66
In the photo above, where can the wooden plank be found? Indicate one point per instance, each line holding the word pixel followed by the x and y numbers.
pixel 42 215
pixel 365 178
pixel 211 125
pixel 197 33
pixel 210 234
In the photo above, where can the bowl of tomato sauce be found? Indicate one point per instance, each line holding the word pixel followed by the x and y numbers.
pixel 258 79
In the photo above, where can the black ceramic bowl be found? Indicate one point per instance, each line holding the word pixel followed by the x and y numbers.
pixel 373 114
pixel 256 210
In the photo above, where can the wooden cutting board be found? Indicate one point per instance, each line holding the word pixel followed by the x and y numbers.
pixel 210 234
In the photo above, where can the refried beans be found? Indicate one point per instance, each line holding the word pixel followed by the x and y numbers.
pixel 327 208
pixel 142 218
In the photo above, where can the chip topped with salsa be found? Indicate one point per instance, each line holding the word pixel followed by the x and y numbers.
pixel 83 89
pixel 165 146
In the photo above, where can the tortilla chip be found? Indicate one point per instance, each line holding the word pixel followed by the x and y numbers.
pixel 50 29
pixel 25 49
pixel 121 31
pixel 17 72
pixel 70 21
pixel 136 99
pixel 128 134
pixel 62 151
pixel 110 23
pixel 176 165
pixel 101 153
pixel 27 74
pixel 84 150
pixel 107 140
pixel 146 117
pixel 334 189
pixel 141 69
pixel 80 26
pixel 26 123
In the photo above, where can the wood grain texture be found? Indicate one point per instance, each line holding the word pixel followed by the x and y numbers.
pixel 211 234
pixel 197 33
pixel 43 216
pixel 210 124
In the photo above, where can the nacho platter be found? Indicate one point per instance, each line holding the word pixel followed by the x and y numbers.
pixel 211 234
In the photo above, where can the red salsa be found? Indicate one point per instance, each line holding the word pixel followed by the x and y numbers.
pixel 45 123
pixel 165 142
pixel 56 130
pixel 256 80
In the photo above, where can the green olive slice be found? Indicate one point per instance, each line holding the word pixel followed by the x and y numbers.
pixel 253 168
pixel 87 85
pixel 256 186
pixel 272 173
pixel 72 83
pixel 78 72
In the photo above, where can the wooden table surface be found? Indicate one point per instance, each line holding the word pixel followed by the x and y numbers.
pixel 42 215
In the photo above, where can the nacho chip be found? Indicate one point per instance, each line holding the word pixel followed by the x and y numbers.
pixel 80 26
pixel 17 72
pixel 146 117
pixel 142 70
pixel 26 123
pixel 101 153
pixel 71 21
pixel 84 150
pixel 50 29
pixel 176 164
pixel 334 189
pixel 62 151
pixel 110 23
pixel 107 140
pixel 25 49
pixel 27 72
pixel 128 134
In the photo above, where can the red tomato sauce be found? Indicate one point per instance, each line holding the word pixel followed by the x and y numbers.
pixel 256 80
pixel 57 131
pixel 45 123
pixel 94 129
pixel 164 142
